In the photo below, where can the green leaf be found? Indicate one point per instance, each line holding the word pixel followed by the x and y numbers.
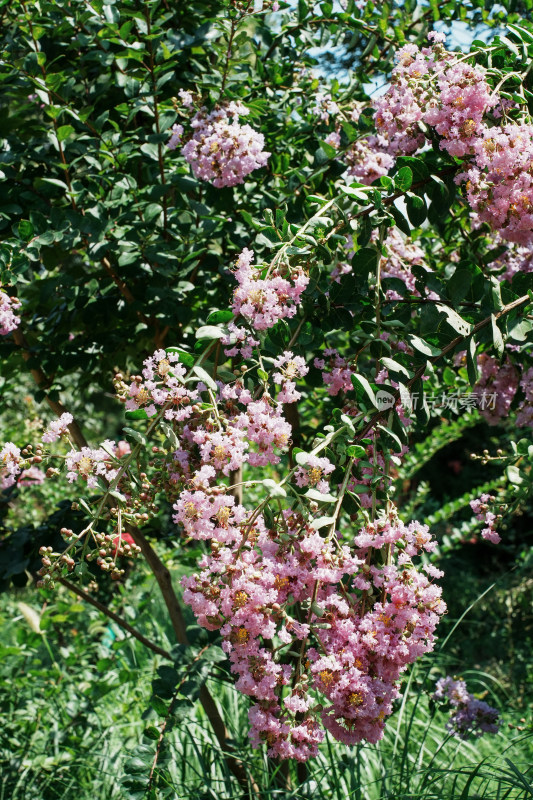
pixel 138 413
pixel 151 212
pixel 322 522
pixel 395 368
pixel 471 361
pixel 274 489
pixel 25 230
pixel 497 337
pixel 364 262
pixel 220 316
pixel 403 179
pixel 400 220
pixel 391 438
pixel 423 347
pixel 416 165
pixel 63 132
pixel 459 284
pixel 355 451
pixel 205 377
pixel 362 386
pixel 209 332
pixel 136 435
pixel 314 494
pixel 461 326
pixel 416 209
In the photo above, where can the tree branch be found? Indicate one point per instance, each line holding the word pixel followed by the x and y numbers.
pixel 115 617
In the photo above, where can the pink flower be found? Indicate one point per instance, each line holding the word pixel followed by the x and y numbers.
pixel 314 472
pixel 368 159
pixel 495 388
pixel 175 139
pixel 264 301
pixel 333 139
pixel 57 428
pixel 481 508
pixel 8 320
pixel 499 186
pixel 10 460
pixel 221 150
pixel 89 464
pixel 33 476
pixel 338 372
pixel 290 368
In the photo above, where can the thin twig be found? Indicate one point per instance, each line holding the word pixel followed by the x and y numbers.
pixel 115 617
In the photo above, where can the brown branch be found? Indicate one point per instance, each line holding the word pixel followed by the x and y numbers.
pixel 164 580
pixel 115 617
pixel 235 480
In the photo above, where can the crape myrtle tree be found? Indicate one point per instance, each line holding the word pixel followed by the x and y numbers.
pixel 292 282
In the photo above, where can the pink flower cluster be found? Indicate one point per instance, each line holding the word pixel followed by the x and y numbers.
pixel 175 139
pixel 220 150
pixel 496 388
pixel 325 107
pixel 161 384
pixel 368 159
pixel 90 464
pixel 57 427
pixel 290 368
pixel 10 464
pixel 33 476
pixel 337 371
pixel 481 508
pixel 430 87
pixel 263 299
pixel 470 717
pixel 317 626
pixel 515 259
pixel 8 319
pixel 499 184
pixel 457 114
pixel 314 472
pixel 402 254
pixel 352 648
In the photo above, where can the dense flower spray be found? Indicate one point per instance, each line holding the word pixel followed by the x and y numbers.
pixel 495 388
pixel 220 150
pixel 318 618
pixel 8 318
pixel 264 301
pixel 470 716
pixel 499 185
pixel 482 508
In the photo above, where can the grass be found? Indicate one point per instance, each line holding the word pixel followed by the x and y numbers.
pixel 75 706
